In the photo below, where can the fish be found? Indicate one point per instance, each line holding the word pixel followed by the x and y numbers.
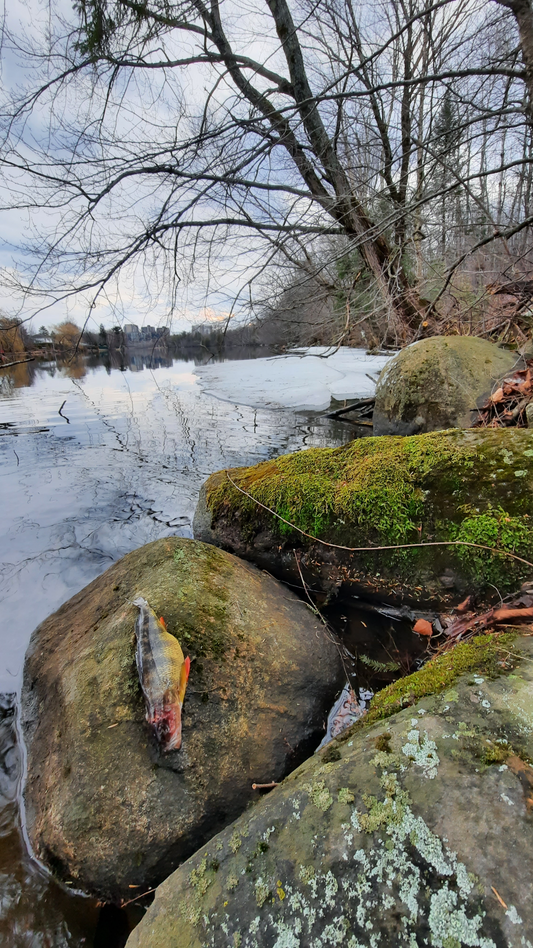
pixel 163 674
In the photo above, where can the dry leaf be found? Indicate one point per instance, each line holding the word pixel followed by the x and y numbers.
pixel 464 605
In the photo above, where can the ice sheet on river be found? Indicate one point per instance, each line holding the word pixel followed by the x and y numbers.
pixel 304 379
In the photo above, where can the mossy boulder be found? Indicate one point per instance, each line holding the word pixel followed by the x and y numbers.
pixel 473 486
pixel 413 830
pixel 438 383
pixel 105 810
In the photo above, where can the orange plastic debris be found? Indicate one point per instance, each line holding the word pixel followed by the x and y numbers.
pixel 423 627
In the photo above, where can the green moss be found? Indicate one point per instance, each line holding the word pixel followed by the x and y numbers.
pixel 203 602
pixel 372 482
pixel 331 754
pixel 486 653
pixel 498 529
pixel 441 486
pixel 382 742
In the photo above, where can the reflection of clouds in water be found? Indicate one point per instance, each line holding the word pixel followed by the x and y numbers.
pixel 125 471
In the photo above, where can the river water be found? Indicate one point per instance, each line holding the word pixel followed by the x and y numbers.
pixel 95 461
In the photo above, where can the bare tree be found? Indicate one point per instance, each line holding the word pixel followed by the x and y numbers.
pixel 181 132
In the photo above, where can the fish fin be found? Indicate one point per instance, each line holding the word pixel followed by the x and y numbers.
pixel 163 623
pixel 184 677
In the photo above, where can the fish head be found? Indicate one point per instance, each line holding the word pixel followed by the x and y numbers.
pixel 166 724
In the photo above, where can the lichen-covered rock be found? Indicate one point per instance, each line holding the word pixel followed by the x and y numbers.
pixel 473 486
pixel 438 383
pixel 105 810
pixel 412 830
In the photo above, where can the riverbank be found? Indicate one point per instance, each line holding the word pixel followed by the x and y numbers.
pixel 121 466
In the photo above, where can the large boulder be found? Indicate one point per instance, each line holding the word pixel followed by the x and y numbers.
pixel 414 829
pixel 438 383
pixel 447 489
pixel 105 810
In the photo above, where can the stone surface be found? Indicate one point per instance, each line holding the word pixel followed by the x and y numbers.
pixel 413 830
pixel 105 810
pixel 437 383
pixel 472 486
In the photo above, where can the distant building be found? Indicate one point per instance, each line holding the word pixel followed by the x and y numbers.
pixel 206 328
pixel 131 333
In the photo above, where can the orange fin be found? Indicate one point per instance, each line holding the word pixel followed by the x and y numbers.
pixel 184 677
pixel 163 623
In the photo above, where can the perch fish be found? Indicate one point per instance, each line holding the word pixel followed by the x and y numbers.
pixel 163 674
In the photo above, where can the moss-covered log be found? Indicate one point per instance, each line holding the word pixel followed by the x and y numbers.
pixel 474 486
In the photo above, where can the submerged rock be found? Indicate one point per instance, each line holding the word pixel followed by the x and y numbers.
pixel 411 830
pixel 471 486
pixel 105 809
pixel 438 383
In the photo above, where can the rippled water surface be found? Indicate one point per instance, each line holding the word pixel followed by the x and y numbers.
pixel 120 466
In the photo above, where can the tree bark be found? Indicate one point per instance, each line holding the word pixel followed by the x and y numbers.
pixel 523 14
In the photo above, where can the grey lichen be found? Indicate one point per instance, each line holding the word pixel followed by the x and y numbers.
pixel 393 862
pixel 423 752
pixel 345 795
pixel 235 842
pixel 319 794
pixel 262 892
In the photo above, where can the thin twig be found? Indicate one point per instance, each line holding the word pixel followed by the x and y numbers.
pixel 140 896
pixel 498 896
pixel 374 549
pixel 60 412
pixel 332 636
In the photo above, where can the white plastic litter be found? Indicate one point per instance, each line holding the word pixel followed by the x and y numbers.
pixel 346 710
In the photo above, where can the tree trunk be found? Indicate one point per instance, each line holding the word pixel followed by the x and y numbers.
pixel 523 14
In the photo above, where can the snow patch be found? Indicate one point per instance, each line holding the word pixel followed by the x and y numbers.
pixel 306 381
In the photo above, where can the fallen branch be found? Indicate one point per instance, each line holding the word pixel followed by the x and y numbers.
pixel 517 611
pixel 376 549
pixel 6 365
pixel 355 406
pixel 60 412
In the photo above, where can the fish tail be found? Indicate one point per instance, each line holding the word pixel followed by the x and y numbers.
pixel 139 602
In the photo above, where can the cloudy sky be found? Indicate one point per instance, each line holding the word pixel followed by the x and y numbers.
pixel 207 291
